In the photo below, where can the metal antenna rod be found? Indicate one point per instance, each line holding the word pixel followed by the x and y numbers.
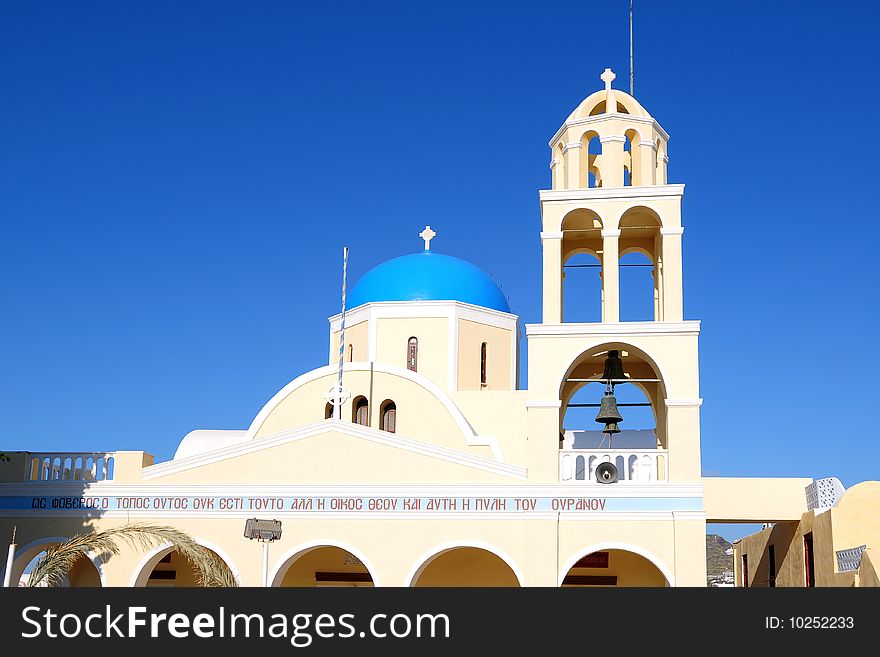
pixel 631 79
pixel 337 411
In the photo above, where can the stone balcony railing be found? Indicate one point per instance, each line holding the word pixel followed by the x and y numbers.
pixel 73 467
pixel 637 466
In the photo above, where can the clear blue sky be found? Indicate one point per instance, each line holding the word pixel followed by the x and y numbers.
pixel 178 180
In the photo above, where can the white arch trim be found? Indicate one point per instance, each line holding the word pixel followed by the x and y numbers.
pixel 467 431
pixel 156 553
pixel 48 540
pixel 428 557
pixel 276 576
pixel 617 545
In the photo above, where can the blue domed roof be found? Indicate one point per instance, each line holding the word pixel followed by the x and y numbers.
pixel 428 276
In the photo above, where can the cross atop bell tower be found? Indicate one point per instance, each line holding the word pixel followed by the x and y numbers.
pixel 610 206
pixel 609 196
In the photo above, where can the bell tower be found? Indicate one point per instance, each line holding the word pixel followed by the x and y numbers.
pixel 610 197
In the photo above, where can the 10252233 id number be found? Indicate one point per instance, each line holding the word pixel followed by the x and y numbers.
pixel 810 622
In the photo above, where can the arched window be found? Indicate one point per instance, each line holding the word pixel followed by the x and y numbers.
pixel 389 416
pixel 350 353
pixel 412 354
pixel 361 411
pixel 328 411
pixel 483 364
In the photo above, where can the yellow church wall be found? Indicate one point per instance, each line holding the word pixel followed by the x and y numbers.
pixel 393 335
pixel 334 458
pixel 501 414
pixel 670 548
pixel 500 344
pixel 395 551
pixel 356 335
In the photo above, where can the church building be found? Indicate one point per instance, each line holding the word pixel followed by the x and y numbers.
pixel 424 461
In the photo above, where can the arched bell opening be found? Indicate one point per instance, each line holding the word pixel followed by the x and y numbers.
pixel 632 157
pixel 631 431
pixel 581 266
pixel 640 265
pixel 590 160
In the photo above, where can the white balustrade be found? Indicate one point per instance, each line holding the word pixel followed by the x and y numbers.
pixel 637 466
pixel 71 466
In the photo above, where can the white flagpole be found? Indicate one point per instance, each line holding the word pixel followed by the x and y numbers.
pixel 10 558
pixel 631 77
pixel 337 410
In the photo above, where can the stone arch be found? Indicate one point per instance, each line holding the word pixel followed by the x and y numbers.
pixel 145 567
pixel 637 364
pixel 86 578
pixel 620 547
pixel 288 560
pixel 590 158
pixel 480 554
pixel 632 155
pixel 640 233
pixel 581 234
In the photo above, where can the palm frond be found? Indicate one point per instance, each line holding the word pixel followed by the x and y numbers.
pixel 59 559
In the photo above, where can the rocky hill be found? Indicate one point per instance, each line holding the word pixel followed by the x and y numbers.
pixel 719 559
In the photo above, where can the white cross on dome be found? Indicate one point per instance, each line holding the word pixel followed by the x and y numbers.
pixel 427 235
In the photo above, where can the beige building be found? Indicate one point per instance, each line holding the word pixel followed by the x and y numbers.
pixel 835 543
pixel 430 465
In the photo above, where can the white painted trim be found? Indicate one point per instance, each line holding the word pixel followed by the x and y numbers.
pixel 672 231
pixel 673 403
pixel 620 329
pixel 634 192
pixel 648 142
pixel 618 545
pixel 345 490
pixel 458 417
pixel 610 138
pixel 570 145
pixel 610 232
pixel 157 553
pixel 541 403
pixel 425 308
pixel 302 549
pixel 665 158
pixel 552 235
pixel 428 557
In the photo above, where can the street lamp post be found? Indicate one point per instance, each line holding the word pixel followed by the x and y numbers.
pixel 264 531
